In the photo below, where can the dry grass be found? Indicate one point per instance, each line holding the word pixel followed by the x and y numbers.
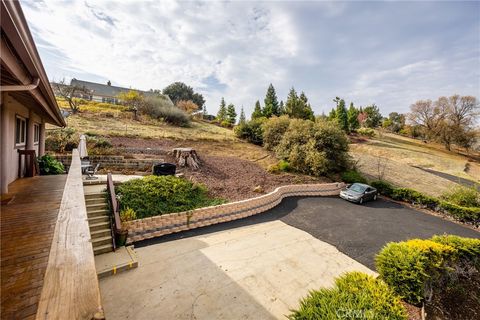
pixel 402 155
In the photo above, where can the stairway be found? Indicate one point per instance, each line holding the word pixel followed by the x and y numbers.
pixel 99 222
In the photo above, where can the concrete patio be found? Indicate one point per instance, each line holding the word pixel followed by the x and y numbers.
pixel 251 272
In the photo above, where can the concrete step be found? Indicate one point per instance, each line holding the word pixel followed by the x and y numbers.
pixel 98 206
pixel 100 233
pixel 101 241
pixel 96 213
pixel 95 201
pixel 103 249
pixel 98 219
pixel 112 263
pixel 95 195
pixel 99 226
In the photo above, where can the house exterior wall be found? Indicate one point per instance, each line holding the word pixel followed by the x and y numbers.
pixel 11 108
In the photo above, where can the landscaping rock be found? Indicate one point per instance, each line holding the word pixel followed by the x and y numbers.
pixel 258 189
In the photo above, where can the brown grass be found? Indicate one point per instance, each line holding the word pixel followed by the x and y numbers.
pixel 402 155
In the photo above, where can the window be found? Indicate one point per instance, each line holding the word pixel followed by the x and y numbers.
pixel 36 133
pixel 20 131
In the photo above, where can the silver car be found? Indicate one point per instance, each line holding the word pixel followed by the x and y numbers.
pixel 359 193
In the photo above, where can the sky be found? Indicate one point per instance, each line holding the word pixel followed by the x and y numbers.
pixel 388 53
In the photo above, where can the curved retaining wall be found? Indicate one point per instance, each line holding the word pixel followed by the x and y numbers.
pixel 157 226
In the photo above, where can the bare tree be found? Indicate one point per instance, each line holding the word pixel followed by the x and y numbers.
pixel 447 120
pixel 69 92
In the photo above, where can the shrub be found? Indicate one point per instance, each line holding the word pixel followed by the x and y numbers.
pixel 157 195
pixel 463 196
pixel 352 176
pixel 280 166
pixel 188 106
pixel 382 187
pixel 464 214
pixel 127 214
pixel 61 140
pixel 252 131
pixel 355 296
pixel 368 132
pixel 412 267
pixel 314 148
pixel 160 107
pixel 50 166
pixel 467 249
pixel 274 129
pixel 414 197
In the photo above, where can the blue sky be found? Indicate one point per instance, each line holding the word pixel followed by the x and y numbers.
pixel 387 53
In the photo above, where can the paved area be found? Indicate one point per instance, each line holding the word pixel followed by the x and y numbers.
pixel 251 272
pixel 359 231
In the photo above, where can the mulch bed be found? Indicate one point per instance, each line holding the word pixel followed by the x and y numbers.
pixel 235 179
pixel 230 178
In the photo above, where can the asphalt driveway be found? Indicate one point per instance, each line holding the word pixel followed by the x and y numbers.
pixel 359 231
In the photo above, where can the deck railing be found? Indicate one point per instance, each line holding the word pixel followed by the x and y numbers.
pixel 115 222
pixel 70 286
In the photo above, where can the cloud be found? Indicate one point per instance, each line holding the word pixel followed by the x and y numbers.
pixel 390 54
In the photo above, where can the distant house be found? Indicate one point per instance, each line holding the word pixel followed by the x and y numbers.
pixel 102 92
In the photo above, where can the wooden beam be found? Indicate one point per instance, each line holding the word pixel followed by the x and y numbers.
pixel 70 288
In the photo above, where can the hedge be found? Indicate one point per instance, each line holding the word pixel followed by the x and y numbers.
pixel 416 268
pixel 352 176
pixel 355 295
pixel 464 214
pixel 157 195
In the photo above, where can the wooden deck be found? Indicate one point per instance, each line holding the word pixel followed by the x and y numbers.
pixel 27 229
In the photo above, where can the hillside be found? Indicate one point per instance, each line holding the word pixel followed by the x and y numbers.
pixel 426 167
pixel 405 162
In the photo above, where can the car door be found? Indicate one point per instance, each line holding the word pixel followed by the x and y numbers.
pixel 369 194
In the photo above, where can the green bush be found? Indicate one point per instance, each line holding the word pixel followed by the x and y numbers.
pixel 352 176
pixel 61 140
pixel 463 196
pixel 274 129
pixel 355 296
pixel 418 269
pixel 412 267
pixel 49 165
pixel 157 195
pixel 383 187
pixel 314 148
pixel 280 166
pixel 464 214
pixel 368 132
pixel 467 249
pixel 252 131
pixel 415 197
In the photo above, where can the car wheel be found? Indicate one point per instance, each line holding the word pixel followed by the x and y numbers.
pixel 361 201
pixel 374 197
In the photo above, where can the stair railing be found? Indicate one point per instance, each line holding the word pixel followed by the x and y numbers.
pixel 115 222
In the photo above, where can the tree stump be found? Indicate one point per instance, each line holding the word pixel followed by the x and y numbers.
pixel 186 157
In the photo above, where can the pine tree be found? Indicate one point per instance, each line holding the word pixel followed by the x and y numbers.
pixel 257 112
pixel 231 114
pixel 222 112
pixel 281 108
pixel 342 116
pixel 292 105
pixel 353 113
pixel 242 119
pixel 307 112
pixel 271 103
pixel 332 115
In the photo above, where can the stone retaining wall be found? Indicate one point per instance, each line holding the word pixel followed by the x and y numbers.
pixel 157 226
pixel 116 162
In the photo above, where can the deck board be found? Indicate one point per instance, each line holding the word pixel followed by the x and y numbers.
pixel 27 229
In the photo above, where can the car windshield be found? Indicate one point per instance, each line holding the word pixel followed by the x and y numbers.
pixel 357 188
